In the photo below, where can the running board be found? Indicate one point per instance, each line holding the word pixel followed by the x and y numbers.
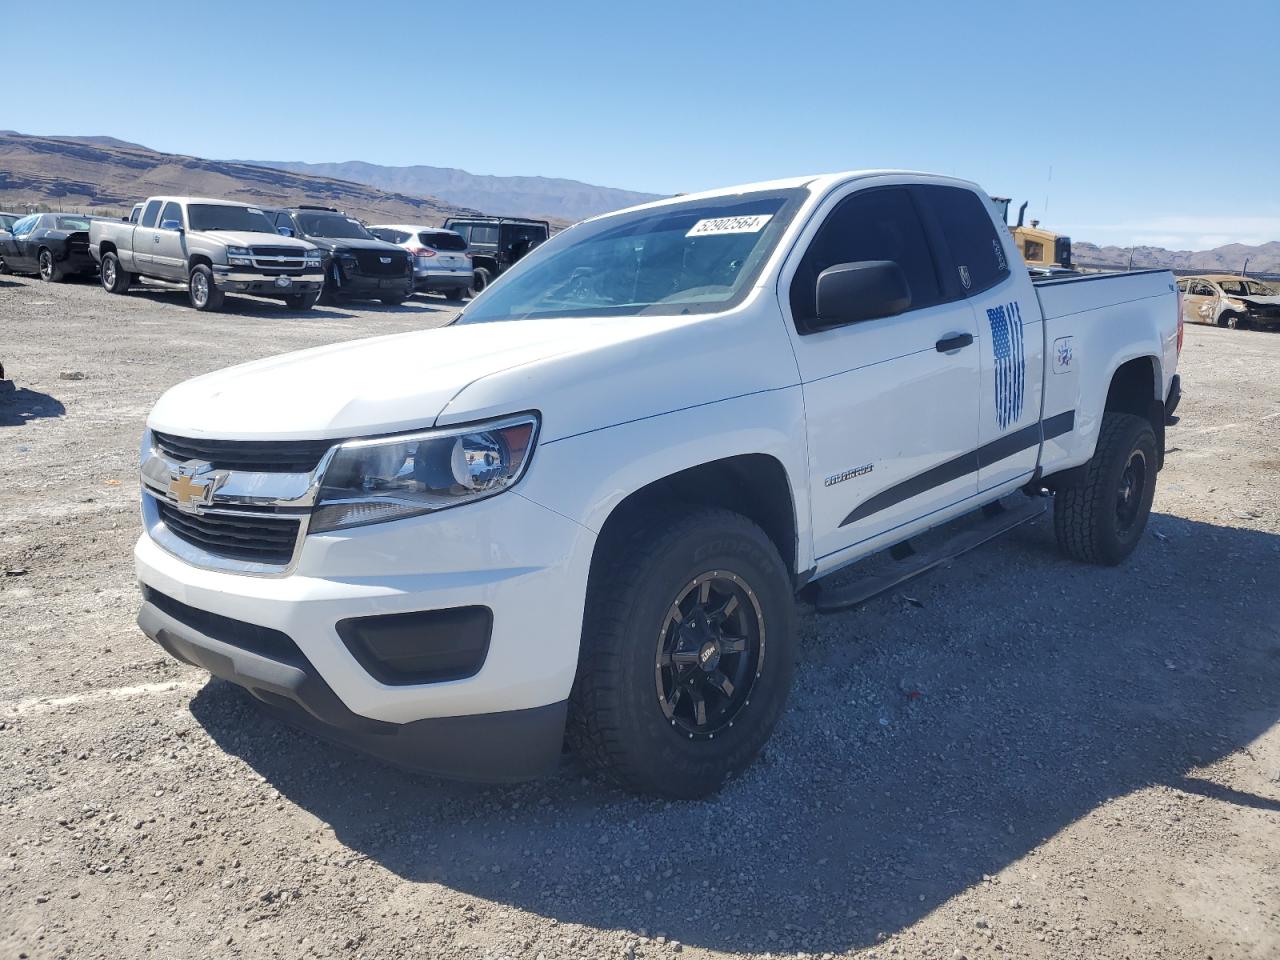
pixel 996 519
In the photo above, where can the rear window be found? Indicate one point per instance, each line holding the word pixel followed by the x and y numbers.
pixel 971 236
pixel 389 235
pixel 442 240
pixel 73 223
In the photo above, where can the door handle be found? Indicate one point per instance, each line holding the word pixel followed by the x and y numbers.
pixel 953 342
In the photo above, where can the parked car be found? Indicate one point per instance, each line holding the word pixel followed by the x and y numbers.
pixel 356 263
pixel 7 220
pixel 441 262
pixel 1230 301
pixel 592 499
pixel 52 245
pixel 212 247
pixel 497 243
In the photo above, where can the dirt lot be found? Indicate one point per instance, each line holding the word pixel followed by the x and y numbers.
pixel 1014 757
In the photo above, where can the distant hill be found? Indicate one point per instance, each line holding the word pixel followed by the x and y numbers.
pixel 568 200
pixel 1263 258
pixel 84 173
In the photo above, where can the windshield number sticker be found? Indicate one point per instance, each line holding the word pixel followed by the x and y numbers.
pixel 721 225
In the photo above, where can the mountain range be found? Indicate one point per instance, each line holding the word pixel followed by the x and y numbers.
pixel 1263 258
pixel 568 200
pixel 106 175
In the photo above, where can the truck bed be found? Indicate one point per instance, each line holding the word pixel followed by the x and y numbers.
pixel 1064 296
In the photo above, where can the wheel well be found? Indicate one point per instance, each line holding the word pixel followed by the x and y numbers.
pixel 754 485
pixel 487 263
pixel 105 248
pixel 1133 390
pixel 196 260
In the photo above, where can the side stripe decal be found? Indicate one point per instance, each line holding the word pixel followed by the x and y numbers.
pixel 985 456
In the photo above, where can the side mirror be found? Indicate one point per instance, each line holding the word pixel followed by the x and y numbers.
pixel 128 219
pixel 285 231
pixel 171 225
pixel 852 292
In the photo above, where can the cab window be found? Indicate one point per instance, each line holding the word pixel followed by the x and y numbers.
pixel 879 224
pixel 172 211
pixel 151 214
pixel 970 235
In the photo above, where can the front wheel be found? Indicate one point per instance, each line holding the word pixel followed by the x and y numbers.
pixel 687 653
pixel 114 278
pixel 301 301
pixel 1234 321
pixel 50 270
pixel 1100 518
pixel 205 296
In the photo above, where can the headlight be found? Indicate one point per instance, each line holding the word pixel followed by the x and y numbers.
pixel 369 481
pixel 314 258
pixel 239 256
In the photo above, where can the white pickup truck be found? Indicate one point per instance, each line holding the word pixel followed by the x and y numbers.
pixel 587 506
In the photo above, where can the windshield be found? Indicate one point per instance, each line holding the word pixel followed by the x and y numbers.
pixel 217 216
pixel 333 225
pixel 695 257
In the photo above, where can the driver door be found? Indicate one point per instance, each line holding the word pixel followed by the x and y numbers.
pixel 891 404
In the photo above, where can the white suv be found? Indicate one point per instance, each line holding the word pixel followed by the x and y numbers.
pixel 440 258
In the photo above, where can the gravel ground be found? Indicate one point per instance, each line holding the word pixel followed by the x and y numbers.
pixel 1015 756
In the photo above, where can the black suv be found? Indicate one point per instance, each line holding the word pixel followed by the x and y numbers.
pixel 497 243
pixel 356 263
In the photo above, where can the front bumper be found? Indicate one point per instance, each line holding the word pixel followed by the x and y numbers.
pixel 505 553
pixel 363 286
pixel 258 283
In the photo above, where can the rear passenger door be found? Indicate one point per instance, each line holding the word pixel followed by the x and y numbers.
pixel 146 236
pixel 890 403
pixel 1010 330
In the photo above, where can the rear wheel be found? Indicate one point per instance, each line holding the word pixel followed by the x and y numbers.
pixel 456 295
pixel 1100 518
pixel 50 269
pixel 479 280
pixel 687 649
pixel 114 278
pixel 204 294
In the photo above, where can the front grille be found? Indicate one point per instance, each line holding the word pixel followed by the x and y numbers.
pixel 263 641
pixel 251 456
pixel 292 252
pixel 371 263
pixel 267 538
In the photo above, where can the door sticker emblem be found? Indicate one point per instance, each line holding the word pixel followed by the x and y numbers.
pixel 1063 354
pixel 1010 365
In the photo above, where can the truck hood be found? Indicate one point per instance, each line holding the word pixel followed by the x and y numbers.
pixel 379 385
pixel 236 238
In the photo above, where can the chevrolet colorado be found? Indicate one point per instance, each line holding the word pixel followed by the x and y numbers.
pixel 585 508
pixel 211 247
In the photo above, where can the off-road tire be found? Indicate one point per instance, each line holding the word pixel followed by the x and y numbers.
pixel 118 281
pixel 616 723
pixel 1085 513
pixel 212 298
pixel 480 279
pixel 301 301
pixel 50 269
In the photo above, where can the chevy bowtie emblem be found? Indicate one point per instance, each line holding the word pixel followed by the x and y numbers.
pixel 190 490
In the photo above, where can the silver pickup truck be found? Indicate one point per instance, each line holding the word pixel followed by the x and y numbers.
pixel 212 247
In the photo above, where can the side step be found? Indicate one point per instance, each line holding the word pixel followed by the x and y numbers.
pixel 996 519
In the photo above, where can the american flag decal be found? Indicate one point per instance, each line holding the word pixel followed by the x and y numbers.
pixel 1010 361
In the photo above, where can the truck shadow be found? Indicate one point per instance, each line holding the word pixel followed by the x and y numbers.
pixel 928 742
pixel 23 405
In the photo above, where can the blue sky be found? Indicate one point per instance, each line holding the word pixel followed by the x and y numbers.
pixel 1119 122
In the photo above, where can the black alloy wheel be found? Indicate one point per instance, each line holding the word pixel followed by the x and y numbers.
pixel 711 649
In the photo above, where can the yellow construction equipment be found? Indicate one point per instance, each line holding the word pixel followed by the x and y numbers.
pixel 1039 248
